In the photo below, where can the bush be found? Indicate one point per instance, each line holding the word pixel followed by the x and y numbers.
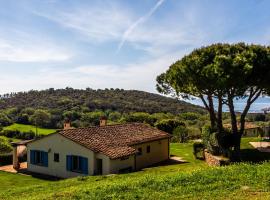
pixel 6 159
pixel 210 141
pixel 4 120
pixel 218 144
pixel 168 125
pixel 5 146
pixel 91 118
pixel 194 133
pixel 190 116
pixel 18 135
pixel 198 150
pixel 115 116
pixel 141 117
pixel 180 134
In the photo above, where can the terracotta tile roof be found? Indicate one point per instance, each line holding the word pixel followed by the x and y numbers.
pixel 114 141
pixel 248 125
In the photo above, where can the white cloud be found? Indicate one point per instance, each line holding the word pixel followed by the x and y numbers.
pixel 138 22
pixel 100 23
pixel 112 22
pixel 27 51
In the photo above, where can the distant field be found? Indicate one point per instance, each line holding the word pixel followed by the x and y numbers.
pixel 191 180
pixel 27 128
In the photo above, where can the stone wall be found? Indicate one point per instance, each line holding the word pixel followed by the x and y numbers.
pixel 212 160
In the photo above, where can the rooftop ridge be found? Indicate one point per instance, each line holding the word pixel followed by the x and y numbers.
pixel 109 125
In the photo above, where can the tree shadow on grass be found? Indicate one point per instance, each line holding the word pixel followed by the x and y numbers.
pixel 254 155
pixel 174 160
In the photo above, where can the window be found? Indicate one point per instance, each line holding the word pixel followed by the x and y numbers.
pixel 77 164
pixel 56 157
pixel 39 158
pixel 139 151
pixel 148 149
pixel 125 158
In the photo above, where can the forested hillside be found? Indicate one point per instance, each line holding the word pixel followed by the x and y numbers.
pixel 120 100
pixel 50 108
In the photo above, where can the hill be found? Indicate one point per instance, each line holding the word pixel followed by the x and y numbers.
pixel 124 101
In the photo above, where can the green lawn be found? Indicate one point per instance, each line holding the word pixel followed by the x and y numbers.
pixel 185 151
pixel 249 154
pixel 27 128
pixel 191 180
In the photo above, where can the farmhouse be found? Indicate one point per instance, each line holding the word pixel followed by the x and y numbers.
pixel 251 129
pixel 104 149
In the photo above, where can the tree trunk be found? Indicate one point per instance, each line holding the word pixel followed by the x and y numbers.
pixel 212 114
pixel 210 108
pixel 235 133
pixel 233 116
pixel 219 115
pixel 220 132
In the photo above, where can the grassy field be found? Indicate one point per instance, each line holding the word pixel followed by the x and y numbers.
pixel 27 128
pixel 190 180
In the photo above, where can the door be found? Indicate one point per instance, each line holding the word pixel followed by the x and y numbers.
pixel 99 167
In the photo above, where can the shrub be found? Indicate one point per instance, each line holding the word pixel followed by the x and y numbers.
pixel 218 144
pixel 18 135
pixel 4 120
pixel 190 116
pixel 210 141
pixel 115 116
pixel 5 146
pixel 141 117
pixel 194 133
pixel 180 133
pixel 6 159
pixel 91 118
pixel 198 148
pixel 168 125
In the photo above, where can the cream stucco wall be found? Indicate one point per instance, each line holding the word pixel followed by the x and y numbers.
pixel 119 164
pixel 159 151
pixel 56 143
pixel 105 163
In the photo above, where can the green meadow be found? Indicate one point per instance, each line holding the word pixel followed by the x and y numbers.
pixel 192 179
pixel 28 128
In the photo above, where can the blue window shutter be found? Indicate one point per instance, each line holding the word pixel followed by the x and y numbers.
pixel 45 159
pixel 84 164
pixel 32 157
pixel 69 163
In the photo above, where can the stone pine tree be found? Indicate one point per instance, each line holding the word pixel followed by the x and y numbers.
pixel 224 72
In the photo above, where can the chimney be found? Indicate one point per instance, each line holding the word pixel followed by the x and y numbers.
pixel 67 125
pixel 103 121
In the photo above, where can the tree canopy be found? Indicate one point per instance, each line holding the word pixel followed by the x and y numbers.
pixel 224 72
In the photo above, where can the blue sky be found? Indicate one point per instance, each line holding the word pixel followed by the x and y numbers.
pixel 115 43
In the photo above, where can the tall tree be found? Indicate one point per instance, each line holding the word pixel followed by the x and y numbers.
pixel 223 72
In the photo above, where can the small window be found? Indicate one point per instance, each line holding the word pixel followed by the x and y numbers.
pixel 148 149
pixel 77 164
pixel 56 157
pixel 125 158
pixel 139 151
pixel 39 158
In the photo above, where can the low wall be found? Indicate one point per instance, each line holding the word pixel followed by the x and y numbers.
pixel 212 160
